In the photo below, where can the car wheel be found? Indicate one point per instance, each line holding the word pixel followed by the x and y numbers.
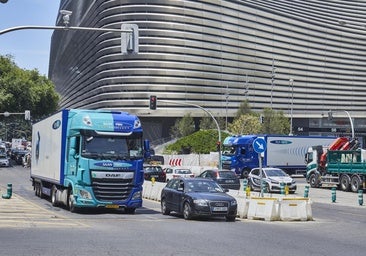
pixel 230 218
pixel 164 209
pixel 187 211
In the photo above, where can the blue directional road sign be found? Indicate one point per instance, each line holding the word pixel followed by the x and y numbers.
pixel 259 145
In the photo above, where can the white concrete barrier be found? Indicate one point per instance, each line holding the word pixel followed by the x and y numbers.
pixel 263 208
pixel 295 209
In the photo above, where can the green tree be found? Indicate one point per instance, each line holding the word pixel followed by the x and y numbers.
pixel 200 142
pixel 25 90
pixel 244 108
pixel 275 122
pixel 22 90
pixel 183 127
pixel 245 124
pixel 208 123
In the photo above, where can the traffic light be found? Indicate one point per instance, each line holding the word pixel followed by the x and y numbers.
pixel 153 101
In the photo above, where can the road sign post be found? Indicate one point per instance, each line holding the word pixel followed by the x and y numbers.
pixel 259 145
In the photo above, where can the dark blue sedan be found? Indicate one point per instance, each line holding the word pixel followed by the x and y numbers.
pixel 197 197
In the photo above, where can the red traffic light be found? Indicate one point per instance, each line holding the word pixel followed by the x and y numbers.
pixel 153 101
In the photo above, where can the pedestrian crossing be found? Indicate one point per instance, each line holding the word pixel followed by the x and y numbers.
pixel 17 212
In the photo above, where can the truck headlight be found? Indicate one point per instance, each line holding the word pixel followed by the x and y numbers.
pixel 85 194
pixel 136 196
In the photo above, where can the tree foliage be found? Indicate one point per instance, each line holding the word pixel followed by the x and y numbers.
pixel 245 124
pixel 275 122
pixel 200 142
pixel 183 127
pixel 22 90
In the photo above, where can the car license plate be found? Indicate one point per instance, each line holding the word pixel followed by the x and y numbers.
pixel 112 206
pixel 219 209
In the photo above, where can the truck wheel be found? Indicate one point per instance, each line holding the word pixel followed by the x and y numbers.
pixel 355 183
pixel 244 173
pixel 70 201
pixel 53 196
pixel 313 181
pixel 345 182
pixel 130 210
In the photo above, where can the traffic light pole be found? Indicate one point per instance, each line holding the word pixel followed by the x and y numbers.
pixel 208 112
pixel 133 30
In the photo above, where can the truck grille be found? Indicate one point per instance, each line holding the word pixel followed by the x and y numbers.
pixel 112 189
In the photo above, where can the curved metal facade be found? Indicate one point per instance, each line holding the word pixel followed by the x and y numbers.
pixel 215 53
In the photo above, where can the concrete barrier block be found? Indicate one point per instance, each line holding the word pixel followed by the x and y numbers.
pixel 295 209
pixel 243 206
pixel 263 208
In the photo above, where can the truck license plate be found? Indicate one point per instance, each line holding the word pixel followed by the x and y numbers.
pixel 112 206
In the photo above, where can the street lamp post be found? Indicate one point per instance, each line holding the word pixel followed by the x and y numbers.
pixel 292 103
pixel 208 112
pixel 330 115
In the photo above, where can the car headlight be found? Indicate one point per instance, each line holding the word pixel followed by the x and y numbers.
pixel 233 203
pixel 293 182
pixel 200 202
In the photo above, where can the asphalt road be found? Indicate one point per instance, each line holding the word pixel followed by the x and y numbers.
pixel 31 226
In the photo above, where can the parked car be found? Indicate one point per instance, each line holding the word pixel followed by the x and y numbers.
pixel 154 171
pixel 17 155
pixel 197 197
pixel 226 178
pixel 4 160
pixel 176 172
pixel 272 178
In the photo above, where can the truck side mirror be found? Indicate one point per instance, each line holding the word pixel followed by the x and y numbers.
pixel 147 153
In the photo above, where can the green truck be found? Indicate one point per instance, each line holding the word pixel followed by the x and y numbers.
pixel 345 169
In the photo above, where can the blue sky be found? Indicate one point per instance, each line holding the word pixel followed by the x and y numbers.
pixel 30 48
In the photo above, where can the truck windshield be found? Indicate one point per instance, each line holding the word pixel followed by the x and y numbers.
pixel 228 150
pixel 111 148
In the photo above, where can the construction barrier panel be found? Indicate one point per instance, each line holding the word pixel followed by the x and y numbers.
pixel 263 208
pixel 295 209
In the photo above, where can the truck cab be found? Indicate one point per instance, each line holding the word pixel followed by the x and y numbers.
pixel 238 154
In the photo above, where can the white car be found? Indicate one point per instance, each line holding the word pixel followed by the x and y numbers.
pixel 272 178
pixel 175 172
pixel 4 161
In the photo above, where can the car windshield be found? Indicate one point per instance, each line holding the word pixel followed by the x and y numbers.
pixel 203 186
pixel 183 171
pixel 275 173
pixel 228 174
pixel 153 169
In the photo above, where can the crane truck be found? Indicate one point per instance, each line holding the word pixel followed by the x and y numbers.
pixel 285 152
pixel 89 158
pixel 342 165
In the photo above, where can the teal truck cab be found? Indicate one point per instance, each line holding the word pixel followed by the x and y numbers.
pixel 89 158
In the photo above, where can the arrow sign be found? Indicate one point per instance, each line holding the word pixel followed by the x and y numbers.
pixel 259 145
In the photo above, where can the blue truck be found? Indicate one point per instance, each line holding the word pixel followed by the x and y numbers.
pixel 89 158
pixel 282 151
